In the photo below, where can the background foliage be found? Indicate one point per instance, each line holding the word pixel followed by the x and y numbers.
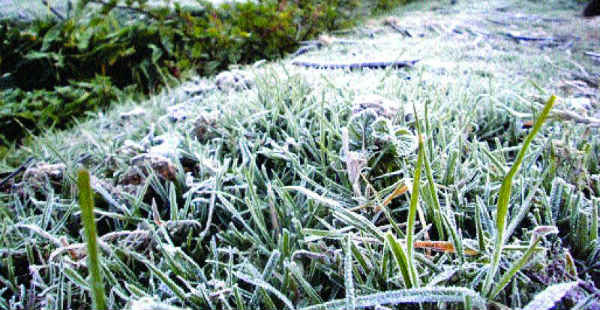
pixel 82 61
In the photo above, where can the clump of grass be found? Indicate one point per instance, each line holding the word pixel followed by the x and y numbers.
pixel 264 213
pixel 504 197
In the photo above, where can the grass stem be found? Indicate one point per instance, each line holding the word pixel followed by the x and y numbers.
pixel 86 203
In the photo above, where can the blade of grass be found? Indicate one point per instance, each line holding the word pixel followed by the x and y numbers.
pixel 400 258
pixel 478 225
pixel 538 233
pixel 504 197
pixel 269 267
pixel 449 221
pixel 297 274
pixel 348 279
pixel 595 219
pixel 431 184
pixel 86 203
pixel 267 287
pixel 412 210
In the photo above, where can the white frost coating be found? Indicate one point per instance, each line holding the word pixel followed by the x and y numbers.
pixel 147 303
pixel 314 196
pixel 415 295
pixel 551 295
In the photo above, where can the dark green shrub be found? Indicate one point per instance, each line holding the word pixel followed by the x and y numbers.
pixel 50 108
pixel 145 47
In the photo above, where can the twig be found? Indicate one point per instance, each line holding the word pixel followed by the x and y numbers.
pixel 304 50
pixel 399 29
pixel 592 122
pixel 526 38
pixel 555 20
pixel 587 79
pixel 354 66
pixel 16 172
pixel 592 54
pixel 497 22
pixel 371 32
pixel 53 10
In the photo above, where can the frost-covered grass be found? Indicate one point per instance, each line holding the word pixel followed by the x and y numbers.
pixel 291 194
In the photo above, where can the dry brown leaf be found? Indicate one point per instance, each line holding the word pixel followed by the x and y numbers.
pixel 441 246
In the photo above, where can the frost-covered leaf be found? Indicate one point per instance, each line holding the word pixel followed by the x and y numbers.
pixel 551 295
pixel 409 296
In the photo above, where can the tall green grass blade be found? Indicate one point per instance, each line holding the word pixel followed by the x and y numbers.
pixel 86 203
pixel 412 211
pixel 478 225
pixel 538 233
pixel 76 278
pixel 504 197
pixel 400 258
pixel 437 210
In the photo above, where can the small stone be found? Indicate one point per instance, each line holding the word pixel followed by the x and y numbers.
pixel 233 81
